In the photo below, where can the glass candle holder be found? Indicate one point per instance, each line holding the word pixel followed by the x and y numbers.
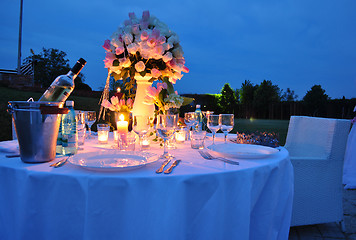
pixel 145 142
pixel 103 133
pixel 180 135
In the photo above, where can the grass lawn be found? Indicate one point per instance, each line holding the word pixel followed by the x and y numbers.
pixel 263 125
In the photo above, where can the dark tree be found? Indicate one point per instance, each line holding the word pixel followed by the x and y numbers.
pixel 315 101
pixel 265 94
pixel 227 99
pixel 49 64
pixel 247 92
pixel 289 96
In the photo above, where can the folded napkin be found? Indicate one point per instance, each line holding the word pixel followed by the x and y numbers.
pixel 9 146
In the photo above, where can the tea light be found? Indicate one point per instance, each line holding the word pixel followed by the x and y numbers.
pixel 103 133
pixel 180 136
pixel 122 126
pixel 145 143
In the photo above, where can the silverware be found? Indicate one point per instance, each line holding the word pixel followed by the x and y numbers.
pixel 60 163
pixel 208 156
pixel 164 164
pixel 12 155
pixel 174 164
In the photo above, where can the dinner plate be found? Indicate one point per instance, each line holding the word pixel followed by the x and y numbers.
pixel 113 159
pixel 235 150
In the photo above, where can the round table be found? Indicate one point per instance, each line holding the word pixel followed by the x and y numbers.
pixel 200 199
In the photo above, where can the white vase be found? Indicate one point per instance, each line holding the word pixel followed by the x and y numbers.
pixel 140 108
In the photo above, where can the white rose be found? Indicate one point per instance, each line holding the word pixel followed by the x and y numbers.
pixel 132 48
pixel 127 38
pixel 167 57
pixel 178 52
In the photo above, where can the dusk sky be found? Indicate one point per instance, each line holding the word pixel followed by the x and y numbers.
pixel 295 44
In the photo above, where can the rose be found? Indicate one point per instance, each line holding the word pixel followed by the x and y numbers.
pixel 155 73
pixel 140 66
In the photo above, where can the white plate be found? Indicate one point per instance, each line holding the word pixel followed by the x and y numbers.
pixel 113 159
pixel 235 150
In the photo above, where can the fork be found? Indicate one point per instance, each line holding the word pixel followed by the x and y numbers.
pixel 208 156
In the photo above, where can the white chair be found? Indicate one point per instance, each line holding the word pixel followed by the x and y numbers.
pixel 317 147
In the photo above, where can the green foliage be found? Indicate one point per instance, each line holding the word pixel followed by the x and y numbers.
pixel 289 96
pixel 227 100
pixel 265 94
pixel 49 64
pixel 247 92
pixel 315 100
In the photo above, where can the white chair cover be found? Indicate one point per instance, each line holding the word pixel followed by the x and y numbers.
pixel 317 148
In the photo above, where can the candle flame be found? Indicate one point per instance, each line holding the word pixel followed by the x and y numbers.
pixel 122 117
pixel 118 89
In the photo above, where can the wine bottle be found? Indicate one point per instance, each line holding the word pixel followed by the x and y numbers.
pixel 63 85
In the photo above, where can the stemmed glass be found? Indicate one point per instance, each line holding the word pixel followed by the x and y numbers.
pixel 141 125
pixel 190 119
pixel 213 123
pixel 166 127
pixel 90 118
pixel 227 123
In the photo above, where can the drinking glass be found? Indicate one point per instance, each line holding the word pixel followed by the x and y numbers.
pixel 227 123
pixel 141 125
pixel 190 119
pixel 213 122
pixel 166 127
pixel 90 118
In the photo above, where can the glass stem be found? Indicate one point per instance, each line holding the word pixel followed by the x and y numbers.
pixel 214 137
pixel 225 133
pixel 165 152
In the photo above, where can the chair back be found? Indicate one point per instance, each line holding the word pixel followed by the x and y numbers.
pixel 317 137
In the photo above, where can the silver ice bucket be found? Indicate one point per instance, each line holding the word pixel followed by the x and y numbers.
pixel 36 125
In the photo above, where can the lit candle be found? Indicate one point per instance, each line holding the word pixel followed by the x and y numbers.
pixel 145 143
pixel 122 126
pixel 180 136
pixel 103 133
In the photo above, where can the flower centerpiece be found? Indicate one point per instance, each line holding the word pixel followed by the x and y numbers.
pixel 144 50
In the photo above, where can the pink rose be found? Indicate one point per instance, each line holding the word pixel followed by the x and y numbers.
pixel 155 73
pixel 107 45
pixel 125 62
pixel 140 66
pixel 132 15
pixel 144 36
pixel 167 57
pixel 144 24
pixel 161 39
pixel 155 33
pixel 135 29
pixel 119 50
pixel 185 69
pixel 151 42
pixel 145 16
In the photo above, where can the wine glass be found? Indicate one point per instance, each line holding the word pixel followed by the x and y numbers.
pixel 166 127
pixel 141 125
pixel 190 119
pixel 213 123
pixel 227 123
pixel 90 118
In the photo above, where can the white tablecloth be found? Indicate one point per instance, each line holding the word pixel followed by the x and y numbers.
pixel 200 199
pixel 349 177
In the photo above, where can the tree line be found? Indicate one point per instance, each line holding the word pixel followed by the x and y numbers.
pixel 268 101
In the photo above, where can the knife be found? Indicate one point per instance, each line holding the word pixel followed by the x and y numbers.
pixel 174 164
pixel 165 162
